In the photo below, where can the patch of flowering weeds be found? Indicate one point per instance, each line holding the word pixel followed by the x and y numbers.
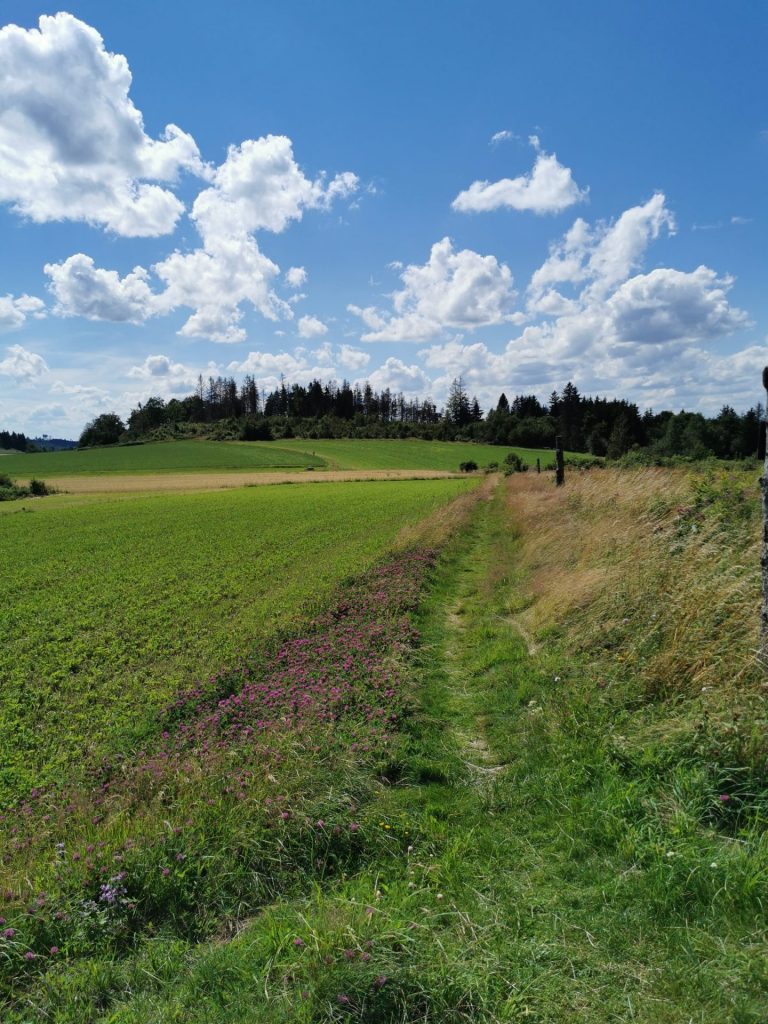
pixel 152 841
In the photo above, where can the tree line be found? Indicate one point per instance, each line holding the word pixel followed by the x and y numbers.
pixel 612 427
pixel 11 440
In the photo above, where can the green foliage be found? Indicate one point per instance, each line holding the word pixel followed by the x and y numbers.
pixel 105 429
pixel 583 462
pixel 255 430
pixel 470 466
pixel 11 491
pixel 514 464
pixel 163 457
pixel 112 604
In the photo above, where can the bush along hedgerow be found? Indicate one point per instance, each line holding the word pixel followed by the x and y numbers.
pixel 258 782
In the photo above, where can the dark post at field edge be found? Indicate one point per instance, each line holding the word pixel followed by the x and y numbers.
pixel 764 559
pixel 559 463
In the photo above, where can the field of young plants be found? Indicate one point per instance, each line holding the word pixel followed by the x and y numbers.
pixel 412 454
pixel 214 456
pixel 108 606
pixel 157 457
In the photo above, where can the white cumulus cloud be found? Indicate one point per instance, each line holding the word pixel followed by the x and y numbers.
pixel 72 143
pixel 452 289
pixel 549 188
pixel 672 306
pixel 295 277
pixel 22 365
pixel 83 289
pixel 166 375
pixel 14 311
pixel 399 376
pixel 259 186
pixel 597 319
pixel 311 327
pixel 353 358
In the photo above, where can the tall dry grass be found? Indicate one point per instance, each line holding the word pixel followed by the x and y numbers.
pixel 654 574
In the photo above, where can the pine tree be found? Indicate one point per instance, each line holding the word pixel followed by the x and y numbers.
pixel 457 409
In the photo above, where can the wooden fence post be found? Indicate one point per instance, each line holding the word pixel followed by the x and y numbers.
pixel 559 463
pixel 538 465
pixel 764 558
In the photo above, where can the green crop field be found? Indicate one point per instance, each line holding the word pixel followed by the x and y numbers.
pixel 108 606
pixel 208 456
pixel 411 454
pixel 158 457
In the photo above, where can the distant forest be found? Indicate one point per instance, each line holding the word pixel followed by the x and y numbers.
pixel 13 441
pixel 220 407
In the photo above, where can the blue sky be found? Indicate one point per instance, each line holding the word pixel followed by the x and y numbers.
pixel 521 194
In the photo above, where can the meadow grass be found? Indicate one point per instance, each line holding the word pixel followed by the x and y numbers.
pixel 157 457
pixel 413 453
pixel 107 606
pixel 564 849
pixel 564 819
pixel 208 456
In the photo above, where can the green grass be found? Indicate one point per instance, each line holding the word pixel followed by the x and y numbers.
pixel 158 457
pixel 518 872
pixel 412 454
pixel 543 843
pixel 188 456
pixel 108 606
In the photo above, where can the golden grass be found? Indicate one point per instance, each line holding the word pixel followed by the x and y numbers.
pixel 436 529
pixel 218 481
pixel 647 572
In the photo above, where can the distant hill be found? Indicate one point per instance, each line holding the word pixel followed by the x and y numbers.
pixel 53 444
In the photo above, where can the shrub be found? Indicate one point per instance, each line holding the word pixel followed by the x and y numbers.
pixel 468 467
pixel 256 430
pixel 584 463
pixel 10 491
pixel 514 464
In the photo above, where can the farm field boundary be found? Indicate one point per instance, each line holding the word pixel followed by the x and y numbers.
pixel 204 481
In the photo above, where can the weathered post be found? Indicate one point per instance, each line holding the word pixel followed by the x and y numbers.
pixel 538 465
pixel 764 559
pixel 559 463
